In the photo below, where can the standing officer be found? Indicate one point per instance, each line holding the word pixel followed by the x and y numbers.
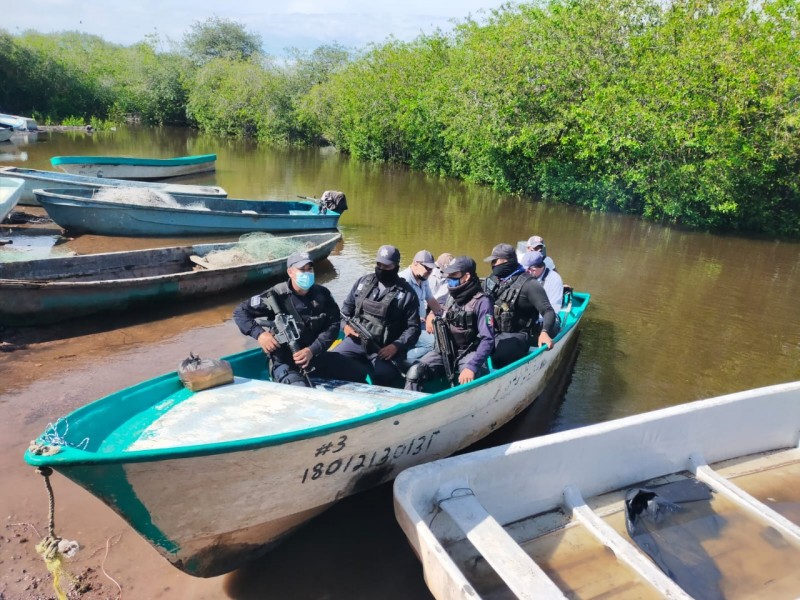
pixel 381 322
pixel 468 314
pixel 313 310
pixel 518 301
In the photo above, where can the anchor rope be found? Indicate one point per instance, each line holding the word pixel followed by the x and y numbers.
pixel 49 546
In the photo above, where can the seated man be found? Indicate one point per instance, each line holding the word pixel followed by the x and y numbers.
pixel 535 264
pixel 314 312
pixel 468 314
pixel 518 302
pixel 438 280
pixel 381 322
pixel 536 243
pixel 417 275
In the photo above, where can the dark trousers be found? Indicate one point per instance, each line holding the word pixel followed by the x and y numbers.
pixel 509 347
pixel 326 366
pixel 359 364
pixel 433 368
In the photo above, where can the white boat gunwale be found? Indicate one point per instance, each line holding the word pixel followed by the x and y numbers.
pixel 73 456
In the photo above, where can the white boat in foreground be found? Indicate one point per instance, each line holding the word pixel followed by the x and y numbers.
pixel 546 517
pixel 212 478
pixel 36 179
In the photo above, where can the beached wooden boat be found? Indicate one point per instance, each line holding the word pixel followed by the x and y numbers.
pixel 35 179
pixel 10 191
pixel 130 167
pixel 85 211
pixel 52 289
pixel 213 478
pixel 546 517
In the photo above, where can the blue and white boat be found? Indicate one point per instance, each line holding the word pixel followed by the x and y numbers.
pixel 86 211
pixel 129 167
pixel 35 179
pixel 18 123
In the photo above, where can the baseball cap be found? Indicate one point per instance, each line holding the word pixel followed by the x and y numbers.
pixel 388 255
pixel 534 258
pixel 424 258
pixel 535 240
pixel 502 251
pixel 460 264
pixel 298 259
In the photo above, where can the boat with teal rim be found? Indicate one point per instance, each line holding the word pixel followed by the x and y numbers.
pixel 216 477
pixel 131 167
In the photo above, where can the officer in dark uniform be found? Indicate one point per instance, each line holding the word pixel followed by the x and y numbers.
pixel 468 314
pixel 518 301
pixel 317 317
pixel 386 306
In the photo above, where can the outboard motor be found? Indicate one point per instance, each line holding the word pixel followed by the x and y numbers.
pixel 333 200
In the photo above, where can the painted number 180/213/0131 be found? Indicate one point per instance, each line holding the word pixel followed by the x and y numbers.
pixel 356 462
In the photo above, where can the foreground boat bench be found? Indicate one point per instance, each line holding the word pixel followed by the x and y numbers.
pixel 545 518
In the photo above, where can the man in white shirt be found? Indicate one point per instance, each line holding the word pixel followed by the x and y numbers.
pixel 438 280
pixel 536 243
pixel 417 275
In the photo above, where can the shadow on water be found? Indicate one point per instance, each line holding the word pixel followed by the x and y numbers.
pixel 356 549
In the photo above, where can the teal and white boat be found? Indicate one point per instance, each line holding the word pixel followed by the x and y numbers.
pixel 213 478
pixel 36 179
pixel 10 191
pixel 131 167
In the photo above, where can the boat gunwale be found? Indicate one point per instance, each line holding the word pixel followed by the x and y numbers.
pixel 50 193
pixel 334 238
pixel 134 161
pixel 70 455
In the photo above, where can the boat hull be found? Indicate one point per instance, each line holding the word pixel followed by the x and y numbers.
pixel 35 179
pixel 135 169
pixel 248 499
pixel 81 214
pixel 50 290
pixel 565 473
pixel 5 134
pixel 10 192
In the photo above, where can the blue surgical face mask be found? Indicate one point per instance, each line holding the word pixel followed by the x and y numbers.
pixel 453 282
pixel 304 280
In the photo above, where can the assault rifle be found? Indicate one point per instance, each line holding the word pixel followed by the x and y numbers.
pixel 367 339
pixel 447 348
pixel 286 332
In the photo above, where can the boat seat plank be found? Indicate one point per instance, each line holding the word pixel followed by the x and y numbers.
pixel 521 574
pixel 251 408
pixel 737 495
pixel 624 550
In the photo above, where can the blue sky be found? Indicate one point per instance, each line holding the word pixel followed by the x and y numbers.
pixel 303 24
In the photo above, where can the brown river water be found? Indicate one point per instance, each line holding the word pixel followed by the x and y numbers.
pixel 675 316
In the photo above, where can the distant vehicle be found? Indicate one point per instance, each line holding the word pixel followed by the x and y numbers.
pixel 140 169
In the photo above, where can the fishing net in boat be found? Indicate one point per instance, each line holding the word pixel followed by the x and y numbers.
pixel 255 247
pixel 143 197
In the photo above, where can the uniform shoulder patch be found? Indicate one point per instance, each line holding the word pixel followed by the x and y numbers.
pixel 255 301
pixel 490 321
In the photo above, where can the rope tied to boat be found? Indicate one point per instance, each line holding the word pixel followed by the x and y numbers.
pixel 52 548
pixel 456 493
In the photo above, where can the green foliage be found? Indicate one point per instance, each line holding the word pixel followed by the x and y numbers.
pixel 220 38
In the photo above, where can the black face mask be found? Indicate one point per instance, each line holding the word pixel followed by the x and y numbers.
pixel 387 277
pixel 505 269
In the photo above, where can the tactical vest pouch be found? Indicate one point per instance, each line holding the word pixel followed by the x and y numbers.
pixel 202 373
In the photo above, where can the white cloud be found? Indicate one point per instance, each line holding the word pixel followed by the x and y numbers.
pixel 300 23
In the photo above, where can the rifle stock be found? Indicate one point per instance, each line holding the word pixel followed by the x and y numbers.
pixel 286 332
pixel 447 348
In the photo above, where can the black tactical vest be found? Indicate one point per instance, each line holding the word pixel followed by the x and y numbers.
pixel 377 316
pixel 463 321
pixel 505 295
pixel 310 325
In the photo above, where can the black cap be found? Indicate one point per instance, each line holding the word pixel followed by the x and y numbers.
pixel 502 251
pixel 460 264
pixel 298 259
pixel 388 255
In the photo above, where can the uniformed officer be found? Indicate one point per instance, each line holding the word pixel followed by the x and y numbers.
pixel 315 314
pixel 381 322
pixel 468 314
pixel 518 301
